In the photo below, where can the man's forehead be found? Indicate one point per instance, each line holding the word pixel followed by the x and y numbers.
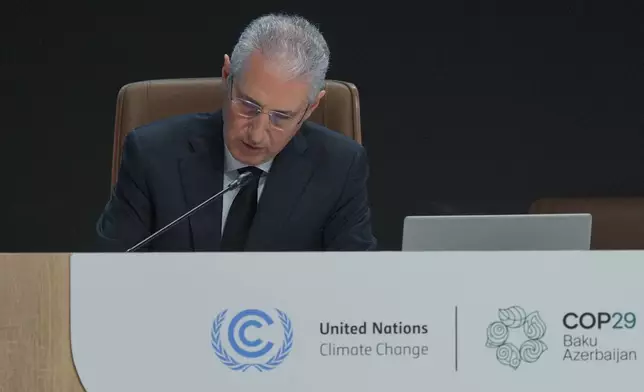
pixel 272 91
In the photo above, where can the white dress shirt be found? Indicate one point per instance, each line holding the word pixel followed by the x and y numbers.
pixel 231 165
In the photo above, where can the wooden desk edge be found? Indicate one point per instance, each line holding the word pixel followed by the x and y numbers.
pixel 35 337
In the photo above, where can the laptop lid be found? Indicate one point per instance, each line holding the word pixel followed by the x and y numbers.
pixel 497 232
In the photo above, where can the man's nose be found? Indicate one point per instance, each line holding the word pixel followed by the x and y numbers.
pixel 258 128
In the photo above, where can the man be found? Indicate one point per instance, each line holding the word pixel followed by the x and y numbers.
pixel 308 191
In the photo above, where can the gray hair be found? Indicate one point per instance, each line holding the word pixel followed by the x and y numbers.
pixel 292 42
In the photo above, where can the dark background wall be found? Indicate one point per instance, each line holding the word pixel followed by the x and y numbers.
pixel 467 106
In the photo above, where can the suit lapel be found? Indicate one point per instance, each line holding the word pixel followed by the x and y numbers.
pixel 288 177
pixel 202 177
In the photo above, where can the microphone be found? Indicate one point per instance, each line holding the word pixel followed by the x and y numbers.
pixel 242 180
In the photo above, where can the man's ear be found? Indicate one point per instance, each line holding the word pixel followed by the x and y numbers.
pixel 225 68
pixel 315 104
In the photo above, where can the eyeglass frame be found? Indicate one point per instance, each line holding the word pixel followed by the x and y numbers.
pixel 260 109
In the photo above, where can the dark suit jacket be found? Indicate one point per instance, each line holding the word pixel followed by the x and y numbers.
pixel 314 199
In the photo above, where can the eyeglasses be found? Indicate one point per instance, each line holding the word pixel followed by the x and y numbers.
pixel 247 109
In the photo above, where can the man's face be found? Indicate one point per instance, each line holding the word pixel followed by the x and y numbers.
pixel 263 111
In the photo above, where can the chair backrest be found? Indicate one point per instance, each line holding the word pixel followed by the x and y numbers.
pixel 617 223
pixel 141 103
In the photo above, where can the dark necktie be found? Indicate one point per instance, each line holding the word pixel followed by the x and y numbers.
pixel 241 214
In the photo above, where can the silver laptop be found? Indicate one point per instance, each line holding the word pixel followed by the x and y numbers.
pixel 497 232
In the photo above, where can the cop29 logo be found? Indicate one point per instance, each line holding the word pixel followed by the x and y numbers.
pixel 246 353
pixel 531 345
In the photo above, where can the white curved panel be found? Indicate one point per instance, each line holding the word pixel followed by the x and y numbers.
pixel 149 322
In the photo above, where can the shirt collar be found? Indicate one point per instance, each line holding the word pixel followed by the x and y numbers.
pixel 232 164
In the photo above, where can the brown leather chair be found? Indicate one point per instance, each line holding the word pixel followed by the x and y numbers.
pixel 141 103
pixel 618 223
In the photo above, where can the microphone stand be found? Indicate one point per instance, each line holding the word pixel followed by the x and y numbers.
pixel 242 180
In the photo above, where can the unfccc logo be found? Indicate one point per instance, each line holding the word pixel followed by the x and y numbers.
pixel 249 352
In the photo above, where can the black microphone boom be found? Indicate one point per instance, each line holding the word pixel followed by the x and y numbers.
pixel 242 180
